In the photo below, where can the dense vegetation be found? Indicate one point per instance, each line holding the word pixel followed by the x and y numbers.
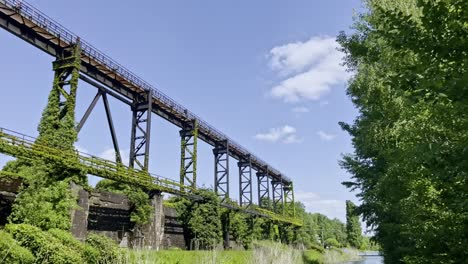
pixel 410 162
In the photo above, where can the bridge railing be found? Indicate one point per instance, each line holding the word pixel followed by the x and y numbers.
pixel 14 138
pixel 60 32
pixel 21 145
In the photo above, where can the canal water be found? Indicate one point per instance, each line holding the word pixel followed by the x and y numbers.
pixel 368 260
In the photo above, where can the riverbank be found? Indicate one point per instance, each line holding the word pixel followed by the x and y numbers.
pixel 260 255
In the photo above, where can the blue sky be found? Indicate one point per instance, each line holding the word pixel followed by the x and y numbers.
pixel 266 73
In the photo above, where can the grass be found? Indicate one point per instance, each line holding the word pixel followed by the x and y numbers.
pixel 263 252
pixel 187 257
pixel 312 257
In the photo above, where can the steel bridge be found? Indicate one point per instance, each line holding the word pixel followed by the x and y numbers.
pixel 77 59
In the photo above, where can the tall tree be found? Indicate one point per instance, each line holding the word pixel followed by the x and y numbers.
pixel 353 226
pixel 410 85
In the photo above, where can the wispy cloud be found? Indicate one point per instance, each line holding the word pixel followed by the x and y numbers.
pixel 315 204
pixel 324 103
pixel 326 136
pixel 109 154
pixel 301 109
pixel 309 69
pixel 285 134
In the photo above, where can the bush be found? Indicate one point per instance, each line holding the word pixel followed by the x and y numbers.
pixel 45 247
pixel 44 206
pixel 11 252
pixel 101 249
pixel 88 253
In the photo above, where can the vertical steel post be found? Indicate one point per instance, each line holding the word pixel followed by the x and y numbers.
pixel 263 187
pixel 188 158
pixel 141 132
pixel 289 199
pixel 221 182
pixel 245 181
pixel 57 126
pixel 278 201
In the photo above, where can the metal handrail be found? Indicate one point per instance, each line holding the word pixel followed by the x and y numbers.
pixel 27 10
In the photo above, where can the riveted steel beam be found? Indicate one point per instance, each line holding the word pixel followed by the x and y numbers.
pixel 290 209
pixel 263 188
pixel 221 153
pixel 141 132
pixel 277 193
pixel 188 158
pixel 245 181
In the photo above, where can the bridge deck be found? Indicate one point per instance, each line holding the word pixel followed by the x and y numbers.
pixel 31 25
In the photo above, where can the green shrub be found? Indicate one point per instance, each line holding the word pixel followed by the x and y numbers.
pixel 44 206
pixel 105 249
pixel 88 253
pixel 45 247
pixel 11 252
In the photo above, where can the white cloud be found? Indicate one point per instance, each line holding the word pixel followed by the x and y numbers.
pixel 292 139
pixel 285 134
pixel 109 154
pixel 301 109
pixel 324 103
pixel 315 204
pixel 311 69
pixel 326 136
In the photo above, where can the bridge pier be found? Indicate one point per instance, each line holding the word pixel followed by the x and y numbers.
pixel 221 153
pixel 277 191
pixel 290 208
pixel 245 181
pixel 263 188
pixel 188 158
pixel 141 131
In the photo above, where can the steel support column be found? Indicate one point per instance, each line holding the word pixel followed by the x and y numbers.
pixel 141 132
pixel 290 209
pixel 277 191
pixel 67 74
pixel 188 158
pixel 221 183
pixel 263 188
pixel 245 181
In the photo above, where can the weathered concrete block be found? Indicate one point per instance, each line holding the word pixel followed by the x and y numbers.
pixel 80 215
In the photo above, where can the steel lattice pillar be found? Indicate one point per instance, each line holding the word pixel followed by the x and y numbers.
pixel 263 187
pixel 141 132
pixel 245 181
pixel 188 158
pixel 221 153
pixel 277 191
pixel 290 209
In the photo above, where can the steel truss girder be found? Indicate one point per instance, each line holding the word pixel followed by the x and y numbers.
pixel 221 182
pixel 245 181
pixel 263 188
pixel 277 191
pixel 188 158
pixel 141 132
pixel 289 207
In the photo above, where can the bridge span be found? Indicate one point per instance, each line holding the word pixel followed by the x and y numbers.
pixel 77 59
